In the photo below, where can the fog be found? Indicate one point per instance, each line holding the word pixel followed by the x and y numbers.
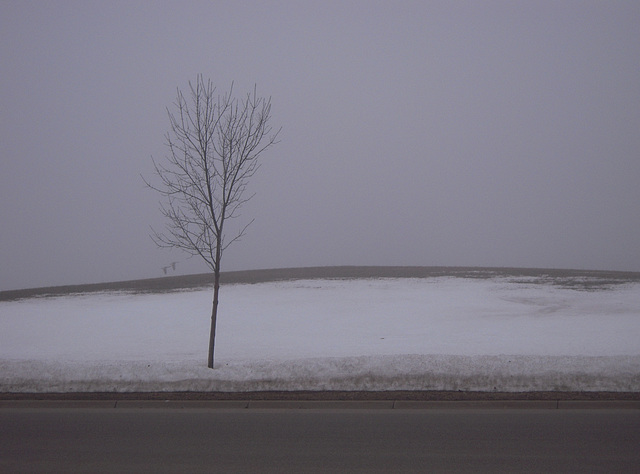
pixel 413 133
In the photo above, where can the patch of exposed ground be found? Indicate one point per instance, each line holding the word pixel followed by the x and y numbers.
pixel 575 279
pixel 328 395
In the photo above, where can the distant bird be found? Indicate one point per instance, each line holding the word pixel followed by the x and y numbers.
pixel 172 265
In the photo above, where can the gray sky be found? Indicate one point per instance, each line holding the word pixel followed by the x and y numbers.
pixel 414 133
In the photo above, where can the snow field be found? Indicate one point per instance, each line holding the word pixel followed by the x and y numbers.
pixel 364 334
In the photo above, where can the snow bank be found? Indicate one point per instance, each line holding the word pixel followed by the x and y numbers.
pixel 374 334
pixel 403 372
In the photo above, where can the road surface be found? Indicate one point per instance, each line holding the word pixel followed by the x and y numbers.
pixel 318 440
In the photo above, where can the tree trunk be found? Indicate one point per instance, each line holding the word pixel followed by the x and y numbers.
pixel 214 315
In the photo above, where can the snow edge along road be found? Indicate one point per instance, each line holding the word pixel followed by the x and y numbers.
pixel 369 374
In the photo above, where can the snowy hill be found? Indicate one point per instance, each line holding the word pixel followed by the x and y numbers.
pixel 350 328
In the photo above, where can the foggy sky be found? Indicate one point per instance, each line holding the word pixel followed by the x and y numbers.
pixel 414 133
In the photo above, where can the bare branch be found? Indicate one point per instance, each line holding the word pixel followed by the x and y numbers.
pixel 214 142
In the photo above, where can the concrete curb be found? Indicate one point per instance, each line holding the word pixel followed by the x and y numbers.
pixel 183 404
pixel 595 404
pixel 71 404
pixel 476 404
pixel 323 404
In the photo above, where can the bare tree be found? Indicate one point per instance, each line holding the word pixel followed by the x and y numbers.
pixel 214 143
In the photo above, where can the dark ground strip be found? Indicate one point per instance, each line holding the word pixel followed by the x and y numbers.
pixel 574 279
pixel 327 395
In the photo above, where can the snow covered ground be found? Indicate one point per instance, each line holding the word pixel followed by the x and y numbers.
pixel 441 333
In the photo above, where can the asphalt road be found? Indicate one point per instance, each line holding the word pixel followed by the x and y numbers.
pixel 319 440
